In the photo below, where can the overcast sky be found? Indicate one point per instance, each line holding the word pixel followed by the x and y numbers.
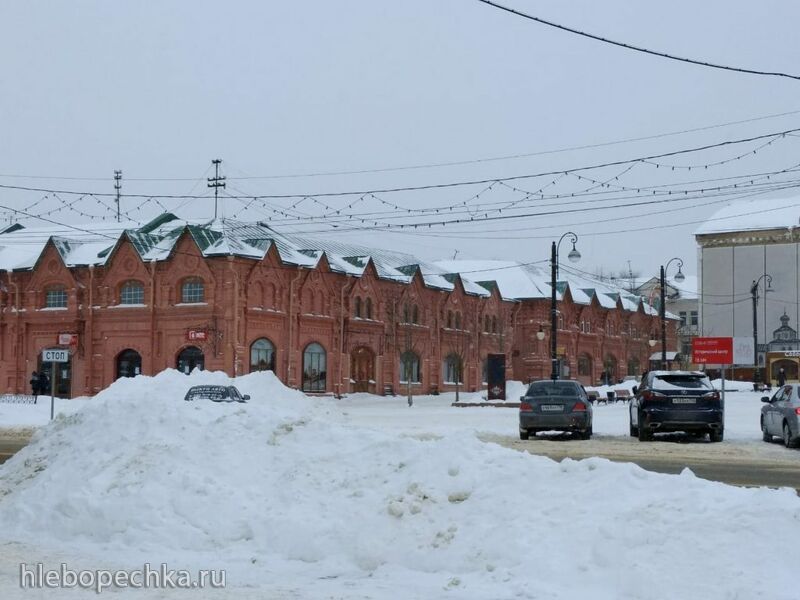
pixel 158 89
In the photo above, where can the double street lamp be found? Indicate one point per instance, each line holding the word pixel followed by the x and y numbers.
pixel 662 309
pixel 754 292
pixel 574 256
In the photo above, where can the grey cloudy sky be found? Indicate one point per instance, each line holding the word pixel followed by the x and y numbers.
pixel 158 89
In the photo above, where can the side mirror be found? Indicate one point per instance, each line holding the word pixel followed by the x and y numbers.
pixel 634 390
pixel 765 398
pixel 246 397
pixel 522 398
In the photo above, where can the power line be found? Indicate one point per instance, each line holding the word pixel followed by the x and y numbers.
pixel 627 46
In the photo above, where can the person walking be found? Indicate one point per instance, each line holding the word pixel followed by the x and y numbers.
pixel 781 377
pixel 44 383
pixel 34 384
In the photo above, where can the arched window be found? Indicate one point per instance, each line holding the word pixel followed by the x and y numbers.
pixel 129 364
pixel 415 314
pixel 262 355
pixel 406 314
pixel 451 369
pixel 189 359
pixel 131 292
pixel 458 320
pixel 193 291
pixel 55 297
pixel 314 368
pixel 634 368
pixel 449 319
pixel 409 367
pixel 357 312
pixel 487 324
pixel 494 324
pixel 368 310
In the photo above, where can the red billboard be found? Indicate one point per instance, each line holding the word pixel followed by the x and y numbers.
pixel 712 350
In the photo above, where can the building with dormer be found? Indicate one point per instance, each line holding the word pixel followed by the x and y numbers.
pixel 327 317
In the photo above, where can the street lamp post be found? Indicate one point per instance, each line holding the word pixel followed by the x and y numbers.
pixel 662 308
pixel 574 256
pixel 754 292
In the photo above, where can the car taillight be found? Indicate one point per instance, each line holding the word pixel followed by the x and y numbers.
pixel 525 406
pixel 712 395
pixel 651 395
pixel 797 411
pixel 579 407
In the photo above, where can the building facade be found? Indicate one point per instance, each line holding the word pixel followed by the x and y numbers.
pixel 329 319
pixel 745 243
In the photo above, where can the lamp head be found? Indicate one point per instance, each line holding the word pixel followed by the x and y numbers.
pixel 540 334
pixel 679 276
pixel 574 256
pixel 652 342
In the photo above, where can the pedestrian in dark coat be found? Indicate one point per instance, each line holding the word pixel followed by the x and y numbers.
pixel 781 377
pixel 44 383
pixel 34 383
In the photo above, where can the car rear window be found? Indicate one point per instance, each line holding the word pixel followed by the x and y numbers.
pixel 552 388
pixel 207 393
pixel 684 382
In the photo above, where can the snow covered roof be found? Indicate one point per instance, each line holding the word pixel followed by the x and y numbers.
pixel 519 281
pixel 754 215
pixel 21 247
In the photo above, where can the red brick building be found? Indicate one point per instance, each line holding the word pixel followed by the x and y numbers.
pixel 326 317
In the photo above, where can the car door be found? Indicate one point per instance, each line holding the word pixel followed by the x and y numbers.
pixel 770 419
pixel 782 408
pixel 634 404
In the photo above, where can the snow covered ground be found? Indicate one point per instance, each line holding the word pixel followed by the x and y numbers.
pixel 365 498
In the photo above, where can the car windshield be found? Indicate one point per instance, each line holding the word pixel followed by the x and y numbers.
pixel 552 388
pixel 207 392
pixel 681 382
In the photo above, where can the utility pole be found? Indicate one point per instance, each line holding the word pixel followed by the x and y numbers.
pixel 216 182
pixel 118 187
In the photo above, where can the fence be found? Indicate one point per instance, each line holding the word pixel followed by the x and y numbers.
pixel 17 399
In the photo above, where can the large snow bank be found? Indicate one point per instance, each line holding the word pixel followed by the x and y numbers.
pixel 283 491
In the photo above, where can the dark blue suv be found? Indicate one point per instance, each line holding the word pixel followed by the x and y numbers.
pixel 677 401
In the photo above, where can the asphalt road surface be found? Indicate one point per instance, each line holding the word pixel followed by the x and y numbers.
pixel 736 463
pixel 11 443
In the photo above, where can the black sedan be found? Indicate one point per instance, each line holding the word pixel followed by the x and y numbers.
pixel 560 405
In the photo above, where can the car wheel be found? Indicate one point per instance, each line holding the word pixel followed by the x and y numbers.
pixel 788 441
pixel 523 434
pixel 643 431
pixel 716 435
pixel 767 437
pixel 634 431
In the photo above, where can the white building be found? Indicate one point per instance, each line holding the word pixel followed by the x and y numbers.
pixel 746 242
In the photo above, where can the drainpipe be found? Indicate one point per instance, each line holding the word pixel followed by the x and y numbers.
pixel 235 337
pixel 152 317
pixel 291 322
pixel 341 335
pixel 89 332
pixel 17 308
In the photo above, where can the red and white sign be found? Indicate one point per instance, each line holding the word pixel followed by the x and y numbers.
pixel 712 350
pixel 67 339
pixel 197 335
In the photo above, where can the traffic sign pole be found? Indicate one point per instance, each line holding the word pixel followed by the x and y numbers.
pixel 52 389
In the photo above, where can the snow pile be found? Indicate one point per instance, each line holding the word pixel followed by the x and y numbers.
pixel 282 490
pixel 733 386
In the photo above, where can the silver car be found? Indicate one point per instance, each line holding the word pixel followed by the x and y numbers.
pixel 560 405
pixel 780 415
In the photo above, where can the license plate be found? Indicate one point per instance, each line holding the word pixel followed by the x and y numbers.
pixel 552 408
pixel 684 400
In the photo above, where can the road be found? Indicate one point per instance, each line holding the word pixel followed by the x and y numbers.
pixel 736 463
pixel 12 441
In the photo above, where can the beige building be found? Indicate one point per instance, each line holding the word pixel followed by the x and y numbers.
pixel 747 242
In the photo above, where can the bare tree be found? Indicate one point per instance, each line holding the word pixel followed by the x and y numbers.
pixel 459 348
